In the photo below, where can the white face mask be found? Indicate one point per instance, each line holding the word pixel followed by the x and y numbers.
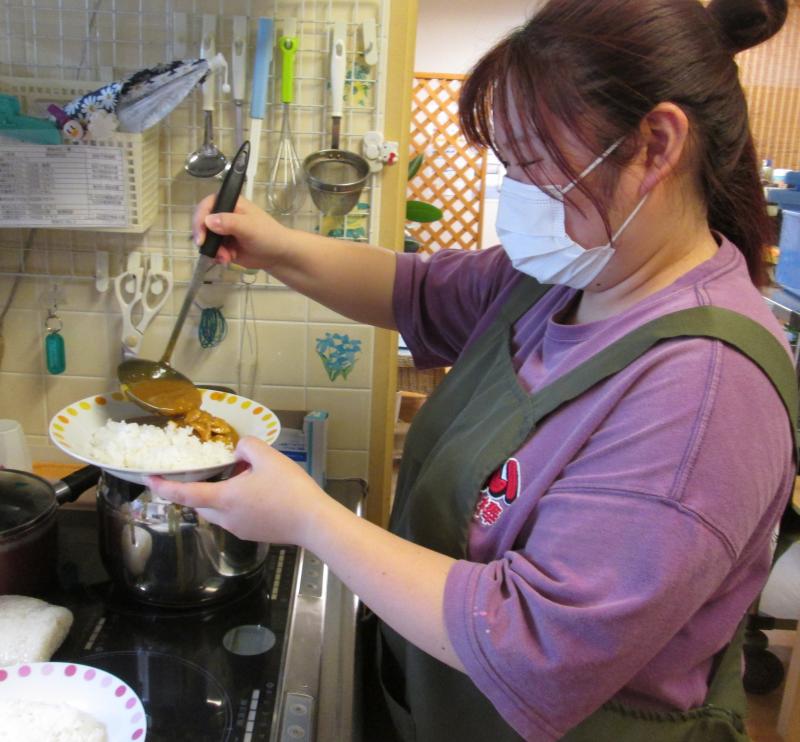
pixel 531 225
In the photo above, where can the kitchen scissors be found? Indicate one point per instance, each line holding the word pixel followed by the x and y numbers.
pixel 141 295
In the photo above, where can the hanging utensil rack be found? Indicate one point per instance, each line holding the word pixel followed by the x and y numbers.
pixel 108 39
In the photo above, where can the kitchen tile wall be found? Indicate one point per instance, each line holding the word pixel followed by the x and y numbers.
pixel 289 373
pixel 274 338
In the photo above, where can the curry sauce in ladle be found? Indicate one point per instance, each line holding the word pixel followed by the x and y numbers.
pixel 170 396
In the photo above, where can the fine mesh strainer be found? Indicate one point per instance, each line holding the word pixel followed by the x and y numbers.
pixel 335 177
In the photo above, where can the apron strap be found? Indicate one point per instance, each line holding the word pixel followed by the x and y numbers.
pixel 523 296
pixel 732 328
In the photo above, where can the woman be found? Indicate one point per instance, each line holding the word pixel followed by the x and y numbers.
pixel 584 508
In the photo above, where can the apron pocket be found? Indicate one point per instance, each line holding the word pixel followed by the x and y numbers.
pixel 392 685
pixel 615 722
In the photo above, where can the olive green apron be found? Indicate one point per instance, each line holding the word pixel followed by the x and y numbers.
pixel 474 421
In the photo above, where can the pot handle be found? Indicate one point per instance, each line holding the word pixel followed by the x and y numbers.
pixel 74 485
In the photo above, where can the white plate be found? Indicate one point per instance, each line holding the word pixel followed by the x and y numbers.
pixel 95 692
pixel 71 429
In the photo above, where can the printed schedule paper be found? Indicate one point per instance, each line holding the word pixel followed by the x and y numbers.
pixel 62 186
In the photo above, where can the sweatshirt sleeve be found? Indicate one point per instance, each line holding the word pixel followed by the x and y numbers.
pixel 438 300
pixel 551 632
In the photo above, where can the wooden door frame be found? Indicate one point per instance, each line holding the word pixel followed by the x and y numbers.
pixel 402 37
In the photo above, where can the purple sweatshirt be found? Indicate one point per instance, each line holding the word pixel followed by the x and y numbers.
pixel 615 553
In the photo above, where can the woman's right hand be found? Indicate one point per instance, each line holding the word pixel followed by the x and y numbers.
pixel 253 239
pixel 329 271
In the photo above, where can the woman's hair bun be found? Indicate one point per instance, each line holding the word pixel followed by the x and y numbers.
pixel 748 23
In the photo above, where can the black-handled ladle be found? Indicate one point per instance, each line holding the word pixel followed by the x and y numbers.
pixel 155 385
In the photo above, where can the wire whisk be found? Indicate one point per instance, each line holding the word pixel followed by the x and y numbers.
pixel 286 188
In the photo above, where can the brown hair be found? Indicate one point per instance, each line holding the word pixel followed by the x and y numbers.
pixel 607 63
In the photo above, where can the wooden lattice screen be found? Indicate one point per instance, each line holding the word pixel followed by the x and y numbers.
pixel 453 174
pixel 770 74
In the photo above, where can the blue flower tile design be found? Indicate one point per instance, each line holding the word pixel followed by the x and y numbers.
pixel 359 86
pixel 339 354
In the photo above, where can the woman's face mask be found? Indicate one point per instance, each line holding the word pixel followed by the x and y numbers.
pixel 531 225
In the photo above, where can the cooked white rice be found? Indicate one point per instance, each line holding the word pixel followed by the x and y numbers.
pixel 35 721
pixel 150 448
pixel 31 630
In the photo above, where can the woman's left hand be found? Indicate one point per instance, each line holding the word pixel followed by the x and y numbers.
pixel 271 500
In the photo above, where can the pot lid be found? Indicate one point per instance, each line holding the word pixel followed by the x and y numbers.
pixel 23 498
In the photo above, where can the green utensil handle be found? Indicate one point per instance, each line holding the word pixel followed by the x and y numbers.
pixel 288 46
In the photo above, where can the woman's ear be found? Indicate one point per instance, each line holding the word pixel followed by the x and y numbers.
pixel 664 133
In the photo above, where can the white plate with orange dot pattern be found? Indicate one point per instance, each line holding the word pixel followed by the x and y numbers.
pixel 71 429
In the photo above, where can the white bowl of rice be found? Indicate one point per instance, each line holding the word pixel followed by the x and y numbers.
pixel 103 430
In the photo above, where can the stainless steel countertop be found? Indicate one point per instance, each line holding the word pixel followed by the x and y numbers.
pixel 317 684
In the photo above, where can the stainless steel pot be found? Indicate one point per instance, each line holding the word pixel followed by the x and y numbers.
pixel 168 555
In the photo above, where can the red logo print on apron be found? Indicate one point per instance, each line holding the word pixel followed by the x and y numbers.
pixel 501 490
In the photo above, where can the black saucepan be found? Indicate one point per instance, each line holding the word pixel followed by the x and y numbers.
pixel 28 526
